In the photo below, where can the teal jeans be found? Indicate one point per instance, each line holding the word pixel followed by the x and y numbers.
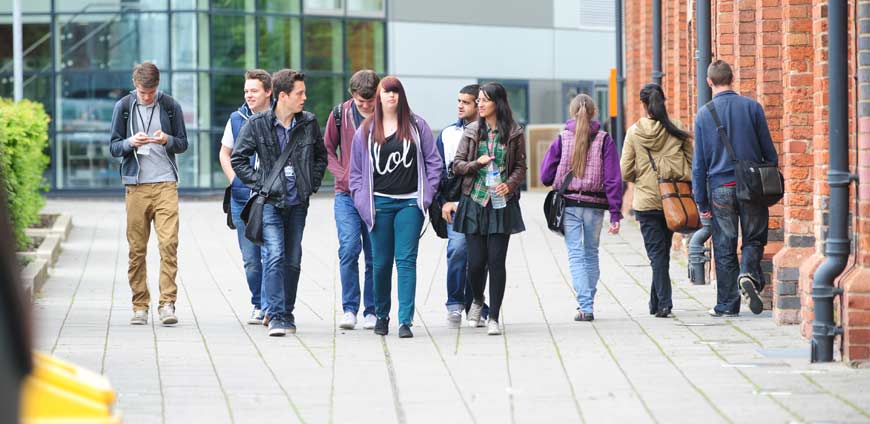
pixel 396 236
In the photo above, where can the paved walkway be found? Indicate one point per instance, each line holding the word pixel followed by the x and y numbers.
pixel 625 367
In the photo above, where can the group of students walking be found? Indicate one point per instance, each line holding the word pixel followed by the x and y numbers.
pixel 390 172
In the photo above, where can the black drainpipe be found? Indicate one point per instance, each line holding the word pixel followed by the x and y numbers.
pixel 699 255
pixel 657 42
pixel 837 245
pixel 620 80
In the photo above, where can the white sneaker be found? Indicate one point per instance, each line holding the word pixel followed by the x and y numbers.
pixel 473 315
pixel 492 328
pixel 257 316
pixel 167 314
pixel 369 321
pixel 454 319
pixel 140 317
pixel 348 322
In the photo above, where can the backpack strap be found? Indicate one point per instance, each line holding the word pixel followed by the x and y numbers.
pixel 723 135
pixel 168 104
pixel 336 114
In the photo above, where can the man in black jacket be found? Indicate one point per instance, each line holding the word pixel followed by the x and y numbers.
pixel 267 134
pixel 147 132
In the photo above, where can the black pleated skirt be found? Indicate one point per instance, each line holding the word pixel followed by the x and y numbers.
pixel 471 218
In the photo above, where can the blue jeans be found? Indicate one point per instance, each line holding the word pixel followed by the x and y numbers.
pixel 396 236
pixel 250 251
pixel 353 238
pixel 728 212
pixel 459 296
pixel 282 257
pixel 582 236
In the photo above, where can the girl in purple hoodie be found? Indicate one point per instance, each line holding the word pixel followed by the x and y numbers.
pixel 590 155
pixel 395 169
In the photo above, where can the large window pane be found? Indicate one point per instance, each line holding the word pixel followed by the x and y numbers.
pixel 115 41
pixel 36 88
pixel 228 94
pixel 191 173
pixel 184 90
pixel 278 6
pixel 188 38
pixel 240 5
pixel 279 45
pixel 323 45
pixel 28 6
pixel 36 43
pixel 108 5
pixel 324 92
pixel 87 100
pixel 85 161
pixel 233 44
pixel 365 7
pixel 365 46
pixel 324 6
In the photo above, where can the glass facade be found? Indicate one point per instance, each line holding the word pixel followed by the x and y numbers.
pixel 78 56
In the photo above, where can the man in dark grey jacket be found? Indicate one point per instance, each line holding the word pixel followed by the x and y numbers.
pixel 267 134
pixel 147 132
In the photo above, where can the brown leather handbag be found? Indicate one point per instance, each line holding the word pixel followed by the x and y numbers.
pixel 678 204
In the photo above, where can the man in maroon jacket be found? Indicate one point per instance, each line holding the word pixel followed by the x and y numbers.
pixel 353 237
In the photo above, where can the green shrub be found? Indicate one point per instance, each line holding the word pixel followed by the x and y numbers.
pixel 23 139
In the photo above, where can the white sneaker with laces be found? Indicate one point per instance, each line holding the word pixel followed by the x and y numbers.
pixel 369 321
pixel 167 314
pixel 348 322
pixel 257 316
pixel 454 319
pixel 473 315
pixel 492 328
pixel 140 317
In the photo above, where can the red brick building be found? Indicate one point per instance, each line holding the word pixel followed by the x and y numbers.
pixel 778 49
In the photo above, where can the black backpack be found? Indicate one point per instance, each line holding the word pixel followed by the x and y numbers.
pixel 164 100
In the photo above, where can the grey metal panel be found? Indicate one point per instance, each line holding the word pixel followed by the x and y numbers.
pixel 545 102
pixel 524 13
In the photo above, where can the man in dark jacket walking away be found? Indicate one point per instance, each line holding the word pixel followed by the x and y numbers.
pixel 285 126
pixel 746 127
pixel 147 132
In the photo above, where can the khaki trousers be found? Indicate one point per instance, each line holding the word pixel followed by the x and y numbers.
pixel 157 202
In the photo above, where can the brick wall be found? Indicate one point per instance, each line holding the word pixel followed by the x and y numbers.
pixel 778 49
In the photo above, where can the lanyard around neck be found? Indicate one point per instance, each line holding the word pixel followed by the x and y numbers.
pixel 150 118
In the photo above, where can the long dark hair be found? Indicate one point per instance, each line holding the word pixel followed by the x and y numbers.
pixel 504 116
pixel 653 99
pixel 403 130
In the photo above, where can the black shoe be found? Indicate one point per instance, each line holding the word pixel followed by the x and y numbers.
pixel 750 292
pixel 582 316
pixel 405 332
pixel 382 326
pixel 663 313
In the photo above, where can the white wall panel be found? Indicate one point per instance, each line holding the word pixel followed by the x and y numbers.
pixel 566 14
pixel 457 51
pixel 452 51
pixel 584 55
pixel 434 98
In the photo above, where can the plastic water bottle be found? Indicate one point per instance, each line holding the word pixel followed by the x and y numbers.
pixel 493 179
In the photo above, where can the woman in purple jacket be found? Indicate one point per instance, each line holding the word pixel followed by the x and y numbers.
pixel 590 155
pixel 394 173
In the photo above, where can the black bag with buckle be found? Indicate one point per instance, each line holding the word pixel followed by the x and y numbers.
pixel 252 214
pixel 228 198
pixel 759 183
pixel 554 206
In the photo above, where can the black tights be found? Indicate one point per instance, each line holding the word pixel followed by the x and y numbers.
pixel 487 253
